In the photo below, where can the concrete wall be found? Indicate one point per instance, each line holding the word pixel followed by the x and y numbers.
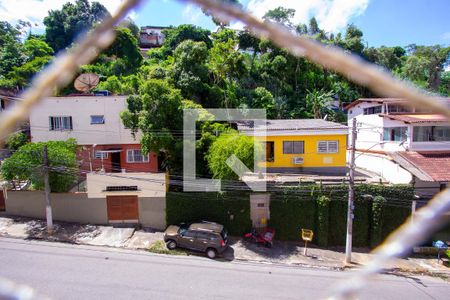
pixel 66 207
pixel 149 184
pixel 152 212
pixel 383 166
pixel 78 208
pixel 427 189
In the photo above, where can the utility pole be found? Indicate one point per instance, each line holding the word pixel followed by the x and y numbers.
pixel 48 206
pixel 351 197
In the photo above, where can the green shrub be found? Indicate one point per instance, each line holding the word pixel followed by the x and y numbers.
pixel 301 207
pixel 160 248
pixel 376 234
pixel 230 209
pixel 289 213
pixel 323 219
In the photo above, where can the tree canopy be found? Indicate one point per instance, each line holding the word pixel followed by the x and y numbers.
pixel 224 69
pixel 230 143
pixel 63 26
pixel 27 164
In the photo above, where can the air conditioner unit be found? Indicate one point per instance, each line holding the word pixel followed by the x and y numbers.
pixel 297 160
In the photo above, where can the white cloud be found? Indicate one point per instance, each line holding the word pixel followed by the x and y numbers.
pixel 446 36
pixel 192 13
pixel 332 15
pixel 36 10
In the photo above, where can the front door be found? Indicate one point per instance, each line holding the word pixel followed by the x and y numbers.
pixel 122 209
pixel 116 166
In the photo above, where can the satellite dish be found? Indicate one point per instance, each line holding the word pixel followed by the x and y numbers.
pixel 86 82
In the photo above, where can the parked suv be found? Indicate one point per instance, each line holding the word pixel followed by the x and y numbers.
pixel 207 237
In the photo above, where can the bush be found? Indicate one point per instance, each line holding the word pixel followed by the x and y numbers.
pixel 376 234
pixel 230 209
pixel 289 213
pixel 15 141
pixel 27 164
pixel 320 208
pixel 323 219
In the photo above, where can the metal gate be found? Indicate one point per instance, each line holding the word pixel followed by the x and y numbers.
pixel 122 209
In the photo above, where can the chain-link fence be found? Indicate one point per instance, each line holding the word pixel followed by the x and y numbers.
pixel 398 244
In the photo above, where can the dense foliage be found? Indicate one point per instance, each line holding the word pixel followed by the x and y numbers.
pixel 227 144
pixel 224 69
pixel 323 220
pixel 229 209
pixel 322 209
pixel 63 26
pixel 17 140
pixel 27 164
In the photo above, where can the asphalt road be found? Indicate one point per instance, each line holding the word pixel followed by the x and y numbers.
pixel 62 271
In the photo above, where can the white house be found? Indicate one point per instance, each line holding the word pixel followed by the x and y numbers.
pixel 94 121
pixel 151 36
pixel 402 143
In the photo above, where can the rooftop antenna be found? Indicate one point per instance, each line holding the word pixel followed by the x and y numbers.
pixel 86 82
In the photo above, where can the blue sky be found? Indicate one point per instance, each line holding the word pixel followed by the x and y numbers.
pixel 384 22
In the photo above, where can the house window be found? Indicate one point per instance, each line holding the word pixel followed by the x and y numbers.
pixel 293 147
pixel 394 108
pixel 100 155
pixel 97 119
pixel 394 134
pixel 328 147
pixel 60 123
pixel 372 110
pixel 431 133
pixel 136 156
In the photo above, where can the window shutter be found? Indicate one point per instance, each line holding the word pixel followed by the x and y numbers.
pixel 332 147
pixel 322 147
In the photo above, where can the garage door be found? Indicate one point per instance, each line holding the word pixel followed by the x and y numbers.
pixel 2 201
pixel 123 209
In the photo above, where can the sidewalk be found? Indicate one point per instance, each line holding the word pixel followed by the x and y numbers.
pixel 290 253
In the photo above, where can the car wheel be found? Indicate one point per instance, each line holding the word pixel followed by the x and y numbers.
pixel 211 253
pixel 171 244
pixel 268 244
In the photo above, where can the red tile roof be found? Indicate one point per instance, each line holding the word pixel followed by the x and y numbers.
pixel 417 118
pixel 427 166
pixel 389 100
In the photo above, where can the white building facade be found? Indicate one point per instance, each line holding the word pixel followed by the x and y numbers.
pixel 393 138
pixel 95 123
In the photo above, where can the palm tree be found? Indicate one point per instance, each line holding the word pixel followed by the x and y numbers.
pixel 317 100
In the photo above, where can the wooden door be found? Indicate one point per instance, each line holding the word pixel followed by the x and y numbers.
pixel 123 209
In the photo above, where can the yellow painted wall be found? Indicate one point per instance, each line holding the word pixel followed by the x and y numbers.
pixel 311 157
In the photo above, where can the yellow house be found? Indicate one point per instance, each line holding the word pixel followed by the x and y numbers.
pixel 312 146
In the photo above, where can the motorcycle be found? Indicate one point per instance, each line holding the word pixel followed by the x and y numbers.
pixel 265 237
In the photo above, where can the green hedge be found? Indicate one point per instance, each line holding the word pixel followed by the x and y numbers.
pixel 295 208
pixel 230 209
pixel 289 214
pixel 323 220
